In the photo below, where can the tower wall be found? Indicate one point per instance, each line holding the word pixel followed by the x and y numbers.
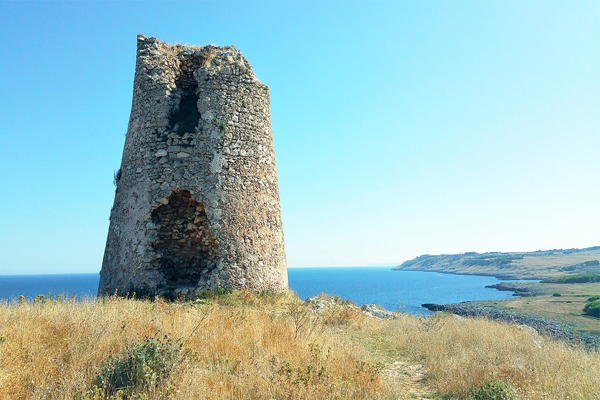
pixel 197 202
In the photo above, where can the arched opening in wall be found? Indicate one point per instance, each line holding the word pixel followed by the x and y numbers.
pixel 185 116
pixel 184 245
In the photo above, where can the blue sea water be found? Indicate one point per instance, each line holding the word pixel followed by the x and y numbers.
pixel 81 285
pixel 394 290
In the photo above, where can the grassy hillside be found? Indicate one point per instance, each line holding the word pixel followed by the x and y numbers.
pixel 526 265
pixel 242 346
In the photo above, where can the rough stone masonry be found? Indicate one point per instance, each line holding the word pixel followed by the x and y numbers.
pixel 197 203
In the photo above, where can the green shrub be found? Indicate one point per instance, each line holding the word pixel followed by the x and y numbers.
pixel 592 308
pixel 142 368
pixel 492 389
pixel 213 294
pixel 556 295
pixel 577 278
pixel 271 295
pixel 221 124
pixel 593 263
pixel 593 298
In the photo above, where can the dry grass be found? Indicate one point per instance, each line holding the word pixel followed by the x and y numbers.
pixel 241 346
pixel 244 346
pixel 460 353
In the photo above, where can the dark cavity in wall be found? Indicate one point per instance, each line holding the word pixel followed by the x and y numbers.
pixel 184 245
pixel 185 116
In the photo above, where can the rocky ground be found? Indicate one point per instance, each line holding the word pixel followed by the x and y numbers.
pixel 320 303
pixel 523 289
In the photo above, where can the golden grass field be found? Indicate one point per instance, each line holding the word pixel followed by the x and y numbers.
pixel 243 346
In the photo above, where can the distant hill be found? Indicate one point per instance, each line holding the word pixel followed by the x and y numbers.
pixel 539 264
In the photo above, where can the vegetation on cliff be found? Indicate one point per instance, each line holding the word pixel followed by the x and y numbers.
pixel 239 345
pixel 539 264
pixel 577 278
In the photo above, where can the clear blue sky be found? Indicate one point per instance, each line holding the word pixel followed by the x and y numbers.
pixel 400 128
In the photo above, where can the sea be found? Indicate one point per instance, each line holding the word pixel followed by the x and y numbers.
pixel 394 290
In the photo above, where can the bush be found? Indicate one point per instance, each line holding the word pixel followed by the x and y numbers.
pixel 592 308
pixel 556 295
pixel 577 278
pixel 492 389
pixel 141 368
pixel 593 263
pixel 593 298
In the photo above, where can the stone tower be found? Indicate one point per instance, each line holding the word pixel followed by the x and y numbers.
pixel 197 203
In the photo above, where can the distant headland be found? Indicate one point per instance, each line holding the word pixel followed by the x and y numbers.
pixel 539 264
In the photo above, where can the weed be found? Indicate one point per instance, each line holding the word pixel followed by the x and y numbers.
pixel 492 389
pixel 117 177
pixel 213 295
pixel 303 319
pixel 141 368
pixel 269 294
pixel 222 125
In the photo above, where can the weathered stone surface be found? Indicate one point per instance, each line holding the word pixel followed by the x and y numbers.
pixel 320 304
pixel 197 201
pixel 374 311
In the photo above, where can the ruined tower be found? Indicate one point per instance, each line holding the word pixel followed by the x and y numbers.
pixel 197 203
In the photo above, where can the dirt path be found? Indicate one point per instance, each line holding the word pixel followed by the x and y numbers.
pixel 408 380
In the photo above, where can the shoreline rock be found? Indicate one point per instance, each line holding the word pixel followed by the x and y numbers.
pixel 523 289
pixel 374 311
pixel 320 304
